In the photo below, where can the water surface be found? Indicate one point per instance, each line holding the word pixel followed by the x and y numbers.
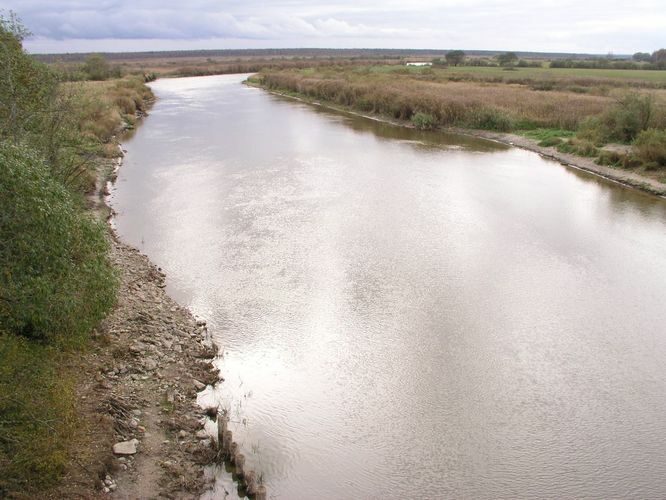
pixel 406 314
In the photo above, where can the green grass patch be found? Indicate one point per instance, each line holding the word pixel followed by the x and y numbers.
pixel 37 416
pixel 543 134
pixel 563 73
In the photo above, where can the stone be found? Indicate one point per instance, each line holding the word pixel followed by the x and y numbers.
pixel 199 386
pixel 125 447
pixel 202 434
pixel 150 364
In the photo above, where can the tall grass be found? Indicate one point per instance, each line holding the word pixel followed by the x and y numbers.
pixel 466 104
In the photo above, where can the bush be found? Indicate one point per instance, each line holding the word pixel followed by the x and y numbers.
pixel 424 121
pixel 491 119
pixel 610 158
pixel 650 147
pixel 624 121
pixel 56 282
pixel 580 147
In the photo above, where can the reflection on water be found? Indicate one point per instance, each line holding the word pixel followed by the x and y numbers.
pixel 406 313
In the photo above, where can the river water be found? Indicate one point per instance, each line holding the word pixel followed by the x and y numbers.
pixel 406 314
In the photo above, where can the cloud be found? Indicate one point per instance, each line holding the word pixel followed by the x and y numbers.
pixel 564 25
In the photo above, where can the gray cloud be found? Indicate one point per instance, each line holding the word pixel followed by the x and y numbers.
pixel 567 25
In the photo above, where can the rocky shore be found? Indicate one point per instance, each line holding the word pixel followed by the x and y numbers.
pixel 143 435
pixel 141 428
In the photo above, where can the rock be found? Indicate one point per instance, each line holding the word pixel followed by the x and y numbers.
pixel 133 423
pixel 125 447
pixel 113 487
pixel 202 434
pixel 182 434
pixel 136 413
pixel 199 386
pixel 150 364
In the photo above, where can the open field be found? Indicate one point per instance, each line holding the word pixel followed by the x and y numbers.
pixel 624 75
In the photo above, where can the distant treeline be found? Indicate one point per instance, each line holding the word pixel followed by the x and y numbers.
pixel 654 61
pixel 311 53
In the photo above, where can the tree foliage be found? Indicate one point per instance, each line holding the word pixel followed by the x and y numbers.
pixel 55 280
pixel 98 68
pixel 507 59
pixel 455 57
pixel 642 57
pixel 659 58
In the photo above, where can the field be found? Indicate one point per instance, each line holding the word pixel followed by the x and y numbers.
pixel 658 77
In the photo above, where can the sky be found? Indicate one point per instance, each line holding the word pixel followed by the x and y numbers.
pixel 581 26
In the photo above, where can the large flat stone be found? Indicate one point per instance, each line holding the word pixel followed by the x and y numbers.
pixel 125 447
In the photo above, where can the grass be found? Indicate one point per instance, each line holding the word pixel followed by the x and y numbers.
pixel 629 75
pixel 37 416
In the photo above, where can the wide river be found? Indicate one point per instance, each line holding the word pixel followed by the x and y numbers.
pixel 406 314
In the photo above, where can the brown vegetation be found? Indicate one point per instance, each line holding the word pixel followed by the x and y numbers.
pixel 475 104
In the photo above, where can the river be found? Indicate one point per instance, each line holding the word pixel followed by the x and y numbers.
pixel 406 314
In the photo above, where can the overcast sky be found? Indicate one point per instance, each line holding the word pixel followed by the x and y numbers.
pixel 592 26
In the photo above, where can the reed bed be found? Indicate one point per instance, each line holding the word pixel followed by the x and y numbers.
pixel 474 104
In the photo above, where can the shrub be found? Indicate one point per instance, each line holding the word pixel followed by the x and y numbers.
pixel 650 147
pixel 612 158
pixel 491 119
pixel 624 121
pixel 424 121
pixel 56 282
pixel 579 147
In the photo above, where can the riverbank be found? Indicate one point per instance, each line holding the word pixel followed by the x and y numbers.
pixel 142 430
pixel 136 393
pixel 627 178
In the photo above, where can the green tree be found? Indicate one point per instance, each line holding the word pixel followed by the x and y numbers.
pixel 641 57
pixel 507 59
pixel 659 58
pixel 34 109
pixel 97 67
pixel 455 57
